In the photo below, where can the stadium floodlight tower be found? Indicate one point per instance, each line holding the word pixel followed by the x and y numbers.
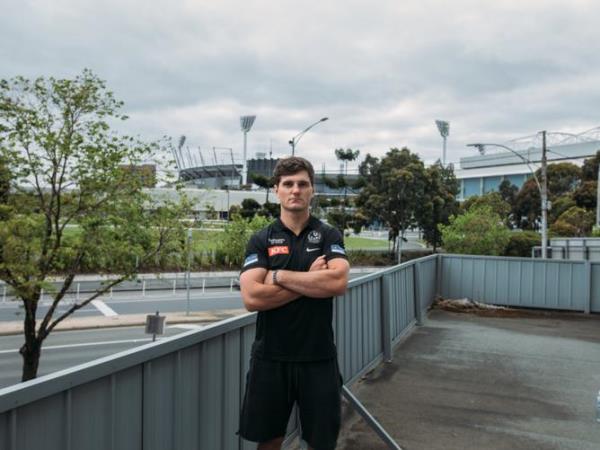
pixel 246 122
pixel 444 129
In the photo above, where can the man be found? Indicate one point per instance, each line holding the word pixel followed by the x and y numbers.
pixel 292 269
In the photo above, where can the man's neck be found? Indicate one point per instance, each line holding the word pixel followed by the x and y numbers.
pixel 295 221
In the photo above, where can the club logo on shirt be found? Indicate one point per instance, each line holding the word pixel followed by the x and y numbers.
pixel 251 259
pixel 338 249
pixel 279 250
pixel 275 241
pixel 314 237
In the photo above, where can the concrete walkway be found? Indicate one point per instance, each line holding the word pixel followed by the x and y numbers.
pixel 467 382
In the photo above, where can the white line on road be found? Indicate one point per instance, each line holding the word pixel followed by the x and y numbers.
pixel 185 326
pixel 104 308
pixel 86 344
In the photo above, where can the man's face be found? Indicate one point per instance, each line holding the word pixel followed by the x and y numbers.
pixel 295 191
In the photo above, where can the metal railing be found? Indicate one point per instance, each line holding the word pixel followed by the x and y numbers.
pixel 185 392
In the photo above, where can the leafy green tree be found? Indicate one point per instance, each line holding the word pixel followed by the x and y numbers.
pixel 394 191
pixel 527 208
pixel 559 206
pixel 249 208
pixel 479 231
pixel 563 178
pixel 521 243
pixel 270 210
pixel 579 221
pixel 233 240
pixel 347 156
pixel 586 195
pixel 340 218
pixel 493 200
pixel 264 182
pixel 5 180
pixel 66 170
pixel 589 170
pixel 508 191
pixel 439 202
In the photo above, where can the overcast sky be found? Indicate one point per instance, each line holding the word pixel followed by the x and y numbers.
pixel 382 71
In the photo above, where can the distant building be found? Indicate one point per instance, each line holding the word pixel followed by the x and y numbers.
pixel 206 201
pixel 483 173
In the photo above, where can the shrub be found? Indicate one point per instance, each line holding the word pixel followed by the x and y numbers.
pixel 564 229
pixel 521 243
pixel 479 231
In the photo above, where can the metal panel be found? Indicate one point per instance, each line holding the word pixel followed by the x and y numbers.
pixel 50 420
pixel 90 427
pixel 595 288
pixel 427 277
pixel 532 283
pixel 357 326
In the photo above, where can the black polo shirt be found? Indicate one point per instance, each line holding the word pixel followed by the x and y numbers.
pixel 300 330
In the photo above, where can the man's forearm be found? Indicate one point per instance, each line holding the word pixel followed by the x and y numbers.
pixel 319 284
pixel 262 297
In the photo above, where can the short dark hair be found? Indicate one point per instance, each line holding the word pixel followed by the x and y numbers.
pixel 292 165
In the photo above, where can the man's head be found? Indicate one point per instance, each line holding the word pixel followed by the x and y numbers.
pixel 291 166
pixel 294 180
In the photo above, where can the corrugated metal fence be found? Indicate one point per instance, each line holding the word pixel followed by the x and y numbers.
pixel 185 392
pixel 522 282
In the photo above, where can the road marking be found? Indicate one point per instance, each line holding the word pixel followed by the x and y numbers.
pixel 104 308
pixel 85 344
pixel 186 326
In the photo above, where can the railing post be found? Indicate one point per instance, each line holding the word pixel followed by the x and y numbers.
pixel 587 297
pixel 417 293
pixel 386 317
pixel 438 275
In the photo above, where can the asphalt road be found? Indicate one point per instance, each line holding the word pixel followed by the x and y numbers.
pixel 63 349
pixel 135 303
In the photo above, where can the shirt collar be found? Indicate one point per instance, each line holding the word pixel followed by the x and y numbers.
pixel 312 224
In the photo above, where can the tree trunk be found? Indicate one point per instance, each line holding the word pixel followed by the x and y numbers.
pixel 31 349
pixel 400 239
pixel 31 359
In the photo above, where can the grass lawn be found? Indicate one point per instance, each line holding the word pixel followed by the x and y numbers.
pixel 358 243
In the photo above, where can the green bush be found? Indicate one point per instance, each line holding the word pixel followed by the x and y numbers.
pixel 521 243
pixel 575 221
pixel 563 229
pixel 233 241
pixel 479 231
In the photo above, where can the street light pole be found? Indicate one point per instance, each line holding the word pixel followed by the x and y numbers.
pixel 189 264
pixel 296 138
pixel 544 195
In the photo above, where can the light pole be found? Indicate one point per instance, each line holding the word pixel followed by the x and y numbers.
pixel 296 138
pixel 246 122
pixel 542 186
pixel 444 129
pixel 189 265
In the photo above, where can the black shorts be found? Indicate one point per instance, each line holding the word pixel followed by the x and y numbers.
pixel 273 387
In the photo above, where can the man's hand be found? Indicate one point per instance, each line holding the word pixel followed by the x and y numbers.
pixel 318 264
